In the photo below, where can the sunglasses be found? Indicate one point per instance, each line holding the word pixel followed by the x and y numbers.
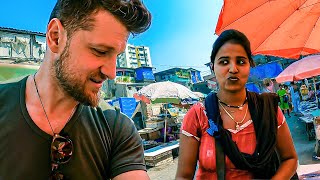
pixel 61 152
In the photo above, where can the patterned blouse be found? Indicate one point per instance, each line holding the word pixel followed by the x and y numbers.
pixel 195 124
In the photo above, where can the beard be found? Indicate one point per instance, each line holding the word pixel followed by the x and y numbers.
pixel 70 80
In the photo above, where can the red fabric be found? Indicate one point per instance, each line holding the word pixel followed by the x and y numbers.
pixel 196 123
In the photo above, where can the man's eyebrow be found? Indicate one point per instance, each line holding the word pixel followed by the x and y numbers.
pixel 102 46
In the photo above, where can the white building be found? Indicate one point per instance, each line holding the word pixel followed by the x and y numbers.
pixel 134 57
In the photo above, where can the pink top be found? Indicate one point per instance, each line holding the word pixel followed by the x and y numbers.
pixel 195 124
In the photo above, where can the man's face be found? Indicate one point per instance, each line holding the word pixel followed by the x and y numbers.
pixel 89 58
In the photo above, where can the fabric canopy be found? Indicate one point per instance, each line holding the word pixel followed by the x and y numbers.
pixel 304 68
pixel 270 70
pixel 284 28
pixel 253 87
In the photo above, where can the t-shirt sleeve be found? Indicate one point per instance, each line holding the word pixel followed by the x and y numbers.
pixel 127 152
pixel 280 117
pixel 191 123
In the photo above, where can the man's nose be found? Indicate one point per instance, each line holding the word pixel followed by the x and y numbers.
pixel 109 68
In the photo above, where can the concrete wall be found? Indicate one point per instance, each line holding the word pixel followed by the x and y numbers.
pixel 20 46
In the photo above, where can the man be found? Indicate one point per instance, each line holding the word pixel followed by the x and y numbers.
pixel 50 124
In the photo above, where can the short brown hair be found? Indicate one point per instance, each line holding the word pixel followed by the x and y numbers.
pixel 76 14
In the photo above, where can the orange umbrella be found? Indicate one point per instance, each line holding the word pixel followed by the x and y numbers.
pixel 284 28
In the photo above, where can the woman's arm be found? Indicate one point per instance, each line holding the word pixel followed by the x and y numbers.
pixel 287 152
pixel 188 156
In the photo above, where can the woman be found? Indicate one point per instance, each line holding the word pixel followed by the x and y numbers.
pixel 247 133
pixel 284 99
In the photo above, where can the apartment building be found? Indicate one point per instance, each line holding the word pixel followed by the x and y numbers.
pixel 135 57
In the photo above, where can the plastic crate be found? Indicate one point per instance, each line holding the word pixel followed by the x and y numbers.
pixel 127 105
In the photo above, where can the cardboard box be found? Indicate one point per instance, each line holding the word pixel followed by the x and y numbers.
pixel 153 110
pixel 144 136
pixel 154 135
pixel 159 159
pixel 149 133
pixel 155 124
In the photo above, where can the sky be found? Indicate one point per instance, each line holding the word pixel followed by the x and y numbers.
pixel 181 33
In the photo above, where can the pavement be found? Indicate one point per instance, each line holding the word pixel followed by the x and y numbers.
pixel 304 148
pixel 164 171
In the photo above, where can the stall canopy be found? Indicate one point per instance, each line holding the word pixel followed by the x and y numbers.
pixel 270 70
pixel 283 28
pixel 253 87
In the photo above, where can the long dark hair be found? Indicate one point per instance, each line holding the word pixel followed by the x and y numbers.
pixel 232 36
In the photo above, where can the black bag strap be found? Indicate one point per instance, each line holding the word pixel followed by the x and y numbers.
pixel 210 106
pixel 220 161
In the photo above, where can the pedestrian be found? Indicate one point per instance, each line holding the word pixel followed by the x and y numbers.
pixel 284 99
pixel 51 124
pixel 304 92
pixel 267 86
pixel 237 134
pixel 295 98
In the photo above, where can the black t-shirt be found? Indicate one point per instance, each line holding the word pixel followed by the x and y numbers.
pixel 103 147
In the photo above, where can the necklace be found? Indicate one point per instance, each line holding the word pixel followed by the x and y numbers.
pixel 231 106
pixel 45 113
pixel 237 123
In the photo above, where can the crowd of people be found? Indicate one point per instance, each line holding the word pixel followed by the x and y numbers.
pixel 291 94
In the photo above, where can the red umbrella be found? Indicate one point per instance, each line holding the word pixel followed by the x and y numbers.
pixel 285 28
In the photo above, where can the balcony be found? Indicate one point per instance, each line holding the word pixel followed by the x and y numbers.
pixel 124 79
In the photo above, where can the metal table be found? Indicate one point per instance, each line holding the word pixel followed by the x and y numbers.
pixel 308 120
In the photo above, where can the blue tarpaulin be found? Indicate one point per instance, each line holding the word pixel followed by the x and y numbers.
pixel 270 70
pixel 196 77
pixel 258 73
pixel 144 73
pixel 253 87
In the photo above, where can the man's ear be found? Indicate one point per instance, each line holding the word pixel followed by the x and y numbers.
pixel 55 35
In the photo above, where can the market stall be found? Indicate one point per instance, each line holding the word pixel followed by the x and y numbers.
pixel 307 108
pixel 307 67
pixel 163 121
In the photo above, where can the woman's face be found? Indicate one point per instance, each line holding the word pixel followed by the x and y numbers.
pixel 231 67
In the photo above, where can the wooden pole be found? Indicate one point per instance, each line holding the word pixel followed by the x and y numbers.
pixel 315 89
pixel 165 124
